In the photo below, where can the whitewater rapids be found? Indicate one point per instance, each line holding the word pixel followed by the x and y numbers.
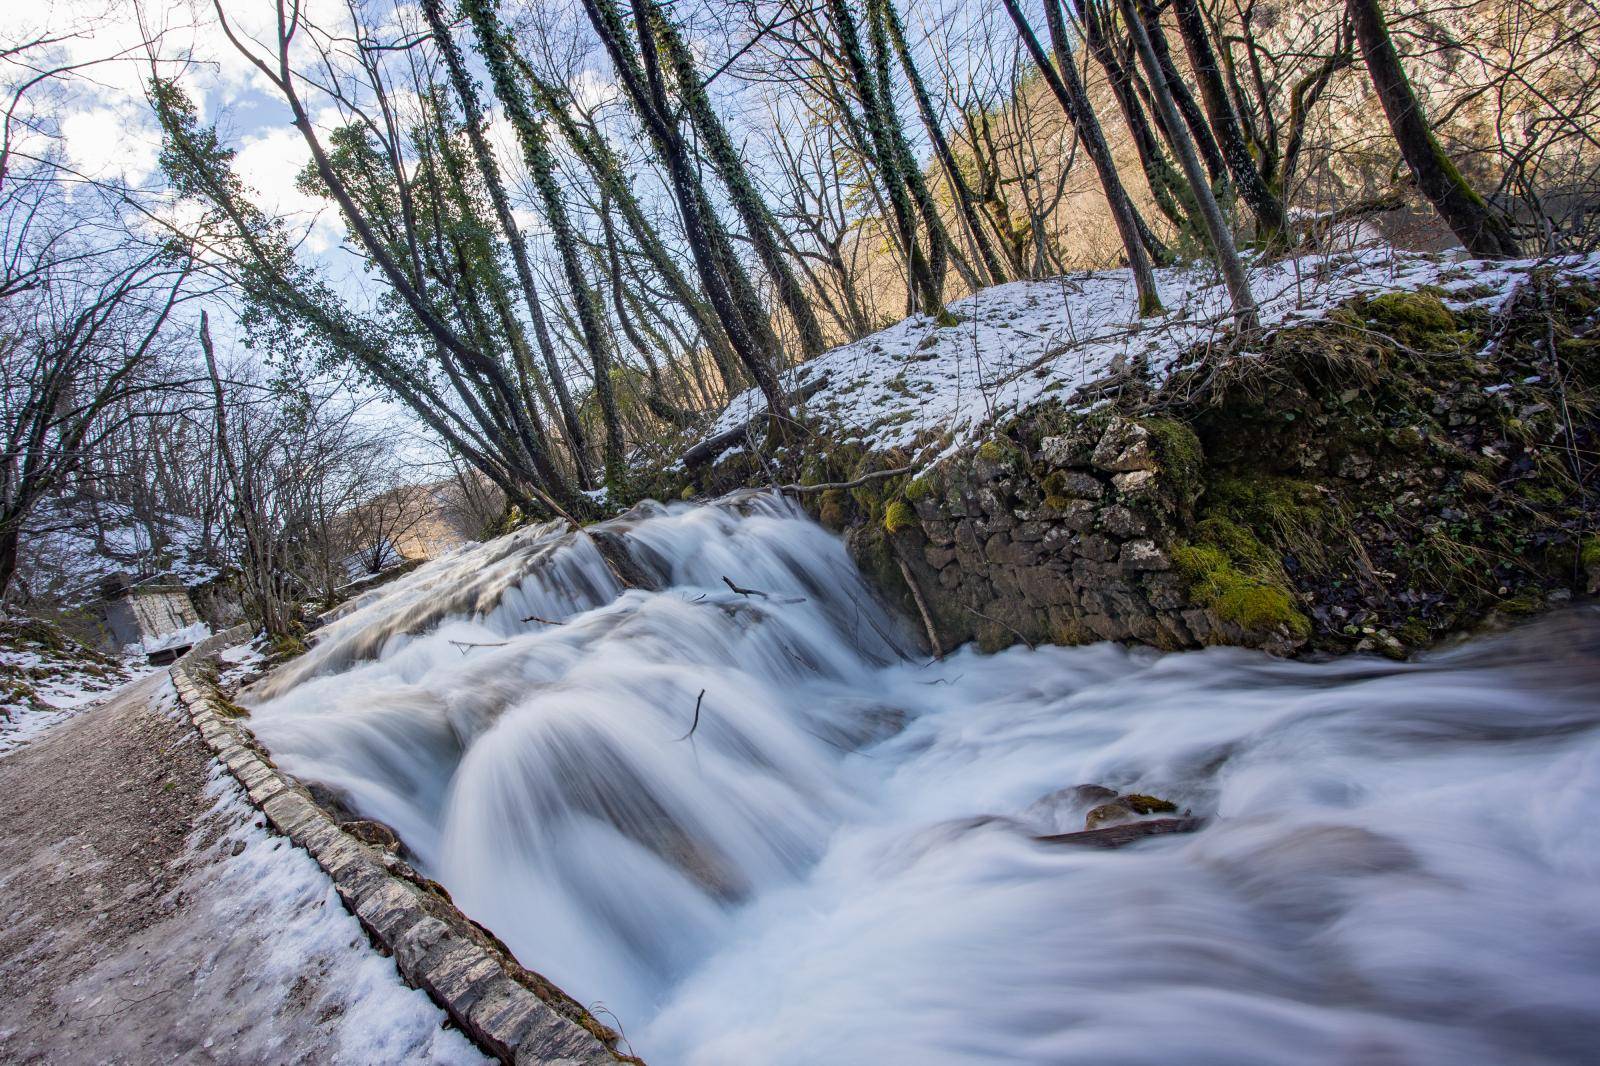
pixel 829 856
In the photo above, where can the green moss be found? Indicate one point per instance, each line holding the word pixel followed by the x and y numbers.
pixel 1589 552
pixel 1057 503
pixel 1149 804
pixel 1533 491
pixel 1421 311
pixel 993 451
pixel 1181 457
pixel 284 646
pixel 1250 602
pixel 921 487
pixel 834 510
pixel 898 515
pixel 1415 632
pixel 1526 604
pixel 1235 540
pixel 947 318
pixel 227 708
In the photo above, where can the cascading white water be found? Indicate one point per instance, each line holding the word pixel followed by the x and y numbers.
pixel 838 863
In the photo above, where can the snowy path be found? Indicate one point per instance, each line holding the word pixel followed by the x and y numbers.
pixel 145 917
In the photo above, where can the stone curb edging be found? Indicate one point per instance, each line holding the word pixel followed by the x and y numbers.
pixel 510 1012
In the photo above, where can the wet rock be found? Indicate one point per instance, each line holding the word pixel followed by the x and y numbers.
pixel 371 831
pixel 1119 835
pixel 1115 812
pixel 1144 804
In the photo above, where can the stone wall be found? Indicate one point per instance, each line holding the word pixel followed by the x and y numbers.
pixel 1055 534
pixel 510 1012
pixel 1375 481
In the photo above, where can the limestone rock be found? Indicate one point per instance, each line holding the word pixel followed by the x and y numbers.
pixel 1065 450
pixel 1122 522
pixel 1134 482
pixel 1077 485
pixel 1142 555
pixel 1125 446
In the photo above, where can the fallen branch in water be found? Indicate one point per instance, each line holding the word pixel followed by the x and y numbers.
pixel 747 593
pixel 463 645
pixel 743 591
pixel 546 621
pixel 1117 835
pixel 696 724
pixel 876 475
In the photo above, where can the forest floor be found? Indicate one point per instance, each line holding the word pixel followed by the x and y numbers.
pixel 147 916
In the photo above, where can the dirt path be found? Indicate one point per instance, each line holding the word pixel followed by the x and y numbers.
pixel 146 916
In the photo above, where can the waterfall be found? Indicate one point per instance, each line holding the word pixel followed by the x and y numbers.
pixel 759 827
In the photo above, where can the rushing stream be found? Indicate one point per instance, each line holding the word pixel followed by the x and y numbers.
pixel 829 856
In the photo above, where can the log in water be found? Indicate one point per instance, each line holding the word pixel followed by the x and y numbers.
pixel 837 860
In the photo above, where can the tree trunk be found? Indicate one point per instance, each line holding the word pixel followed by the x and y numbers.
pixel 1244 304
pixel 483 156
pixel 966 202
pixel 494 46
pixel 1193 118
pixel 759 224
pixel 1068 87
pixel 1271 221
pixel 1484 230
pixel 924 287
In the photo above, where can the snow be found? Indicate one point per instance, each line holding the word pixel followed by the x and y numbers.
pixel 242 664
pixel 66 558
pixel 178 638
pixel 276 921
pixel 62 687
pixel 931 389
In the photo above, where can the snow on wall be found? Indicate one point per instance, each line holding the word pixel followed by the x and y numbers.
pixel 1017 344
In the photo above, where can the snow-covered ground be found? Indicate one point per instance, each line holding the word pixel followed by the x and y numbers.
pixel 1014 345
pixel 268 919
pixel 62 685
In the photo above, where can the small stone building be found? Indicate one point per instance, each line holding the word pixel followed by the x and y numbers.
pixel 154 613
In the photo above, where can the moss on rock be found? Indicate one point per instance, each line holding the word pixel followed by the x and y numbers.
pixel 1252 603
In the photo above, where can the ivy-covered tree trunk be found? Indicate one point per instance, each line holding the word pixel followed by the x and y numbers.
pixel 640 75
pixel 1484 230
pixel 494 45
pixel 489 171
pixel 1167 187
pixel 601 162
pixel 1194 118
pixel 752 208
pixel 966 201
pixel 924 289
pixel 941 250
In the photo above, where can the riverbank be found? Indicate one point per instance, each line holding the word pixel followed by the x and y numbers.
pixel 1403 456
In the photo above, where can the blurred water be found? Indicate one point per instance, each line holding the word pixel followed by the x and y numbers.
pixel 838 864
